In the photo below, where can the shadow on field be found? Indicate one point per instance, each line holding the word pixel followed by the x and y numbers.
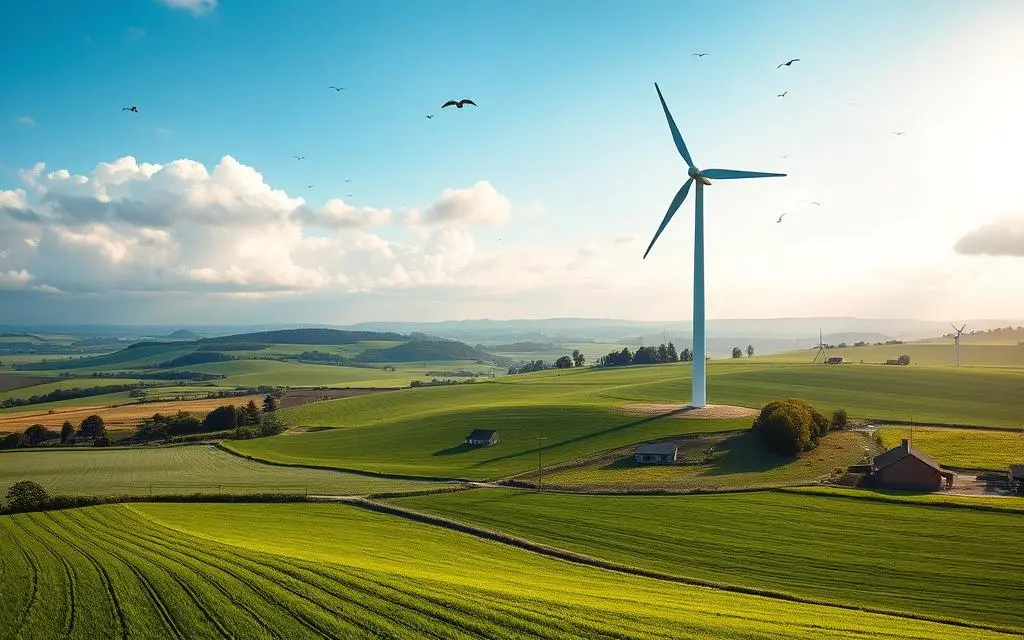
pixel 450 451
pixel 743 453
pixel 576 439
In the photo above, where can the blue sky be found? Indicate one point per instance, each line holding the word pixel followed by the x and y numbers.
pixel 568 140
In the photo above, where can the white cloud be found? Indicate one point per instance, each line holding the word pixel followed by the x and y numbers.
pixel 27 121
pixel 1004 237
pixel 14 279
pixel 197 7
pixel 480 205
pixel 131 227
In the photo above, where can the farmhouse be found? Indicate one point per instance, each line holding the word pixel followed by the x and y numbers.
pixel 1016 478
pixel 834 360
pixel 656 453
pixel 483 437
pixel 904 467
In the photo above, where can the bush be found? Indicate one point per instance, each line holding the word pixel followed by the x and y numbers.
pixel 840 419
pixel 26 495
pixel 790 426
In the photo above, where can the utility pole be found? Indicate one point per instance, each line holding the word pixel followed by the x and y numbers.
pixel 540 457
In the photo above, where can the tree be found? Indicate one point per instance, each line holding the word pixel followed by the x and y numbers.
pixel 686 356
pixel 577 358
pixel 249 415
pixel 790 426
pixel 840 419
pixel 672 355
pixel 66 431
pixel 737 352
pixel 270 404
pixel 662 353
pixel 26 495
pixel 750 351
pixel 564 362
pixel 92 427
pixel 13 441
pixel 36 433
pixel 221 418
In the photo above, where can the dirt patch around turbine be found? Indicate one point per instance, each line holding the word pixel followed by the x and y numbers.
pixel 711 411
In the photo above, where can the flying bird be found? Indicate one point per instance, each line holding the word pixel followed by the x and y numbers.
pixel 700 55
pixel 428 117
pixel 780 218
pixel 458 103
pixel 816 203
pixel 348 195
pixel 310 186
pixel 899 133
pixel 132 108
pixel 783 94
pixel 783 156
pixel 336 89
pixel 348 179
pixel 786 64
pixel 299 157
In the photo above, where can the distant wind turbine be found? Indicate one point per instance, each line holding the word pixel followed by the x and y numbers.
pixel 703 179
pixel 956 340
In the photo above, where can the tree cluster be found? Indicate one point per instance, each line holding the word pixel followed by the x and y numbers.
pixel 529 367
pixel 645 355
pixel 788 427
pixel 575 359
pixel 67 394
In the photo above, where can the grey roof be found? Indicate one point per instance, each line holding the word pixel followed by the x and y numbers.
pixel 657 449
pixel 482 434
pixel 1017 470
pixel 901 451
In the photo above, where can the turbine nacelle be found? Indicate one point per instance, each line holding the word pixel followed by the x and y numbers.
pixel 694 173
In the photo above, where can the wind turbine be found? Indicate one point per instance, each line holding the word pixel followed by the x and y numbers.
pixel 821 349
pixel 703 179
pixel 956 340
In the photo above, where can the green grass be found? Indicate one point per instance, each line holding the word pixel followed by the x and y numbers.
pixel 252 373
pixel 428 581
pixel 739 461
pixel 1001 503
pixel 958 563
pixel 939 352
pixel 419 431
pixel 178 470
pixel 66 383
pixel 962 448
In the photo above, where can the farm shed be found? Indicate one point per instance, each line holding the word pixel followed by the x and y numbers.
pixel 834 360
pixel 483 437
pixel 656 453
pixel 904 467
pixel 1016 478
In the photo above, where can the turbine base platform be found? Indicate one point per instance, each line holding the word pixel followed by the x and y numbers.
pixel 710 412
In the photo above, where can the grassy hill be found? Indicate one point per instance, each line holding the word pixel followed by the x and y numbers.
pixel 974 351
pixel 420 431
pixel 938 559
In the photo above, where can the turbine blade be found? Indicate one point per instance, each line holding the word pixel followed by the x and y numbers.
pixel 731 174
pixel 672 208
pixel 680 145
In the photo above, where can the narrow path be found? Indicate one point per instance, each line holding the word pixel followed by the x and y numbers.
pixel 578 558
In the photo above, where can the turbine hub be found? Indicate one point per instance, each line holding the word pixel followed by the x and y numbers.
pixel 693 172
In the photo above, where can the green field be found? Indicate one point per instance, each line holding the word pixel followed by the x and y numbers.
pixel 932 353
pixel 178 470
pixel 420 431
pixel 66 383
pixel 929 560
pixel 999 503
pixel 962 448
pixel 105 400
pixel 305 571
pixel 739 461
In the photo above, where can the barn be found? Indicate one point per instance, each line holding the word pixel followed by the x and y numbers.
pixel 904 467
pixel 483 437
pixel 656 453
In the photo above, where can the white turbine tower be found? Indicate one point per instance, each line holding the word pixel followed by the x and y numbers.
pixel 956 340
pixel 703 179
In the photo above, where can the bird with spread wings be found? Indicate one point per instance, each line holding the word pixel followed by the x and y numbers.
pixel 786 64
pixel 458 103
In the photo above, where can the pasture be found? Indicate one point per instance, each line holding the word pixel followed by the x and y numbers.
pixel 962 448
pixel 420 431
pixel 739 461
pixel 314 570
pixel 142 471
pixel 930 353
pixel 39 386
pixel 917 559
pixel 115 417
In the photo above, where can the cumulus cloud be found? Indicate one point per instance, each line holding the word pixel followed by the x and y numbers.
pixel 480 205
pixel 1004 237
pixel 27 121
pixel 135 227
pixel 197 7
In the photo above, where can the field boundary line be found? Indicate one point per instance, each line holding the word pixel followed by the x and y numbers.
pixel 889 422
pixel 583 559
pixel 362 472
pixel 874 497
